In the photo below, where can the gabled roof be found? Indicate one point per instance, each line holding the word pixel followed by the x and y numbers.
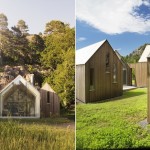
pixel 84 54
pixel 17 81
pixel 145 54
pixel 47 87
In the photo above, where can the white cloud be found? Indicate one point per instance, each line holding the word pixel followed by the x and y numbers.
pixel 118 49
pixel 80 39
pixel 113 16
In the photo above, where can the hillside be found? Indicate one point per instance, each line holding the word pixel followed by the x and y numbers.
pixel 135 55
pixel 49 56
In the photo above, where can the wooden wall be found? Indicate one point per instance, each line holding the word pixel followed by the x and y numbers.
pixel 80 82
pixel 127 71
pixel 129 76
pixel 104 87
pixel 140 73
pixel 52 108
pixel 148 90
pixel 129 82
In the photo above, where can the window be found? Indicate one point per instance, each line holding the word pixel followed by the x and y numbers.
pixel 115 73
pixel 107 63
pixel 92 79
pixel 18 103
pixel 48 98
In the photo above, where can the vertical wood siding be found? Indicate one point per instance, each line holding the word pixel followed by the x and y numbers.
pixel 104 87
pixel 80 82
pixel 52 108
pixel 140 73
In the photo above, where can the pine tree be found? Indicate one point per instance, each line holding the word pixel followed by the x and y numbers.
pixel 36 46
pixel 5 39
pixel 21 25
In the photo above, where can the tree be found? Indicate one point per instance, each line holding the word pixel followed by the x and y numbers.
pixel 58 57
pixel 3 22
pixel 64 79
pixel 52 54
pixel 21 25
pixel 20 47
pixel 36 45
pixel 5 39
pixel 55 26
pixel 56 44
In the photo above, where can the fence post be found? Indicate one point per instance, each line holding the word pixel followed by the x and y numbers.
pixel 148 89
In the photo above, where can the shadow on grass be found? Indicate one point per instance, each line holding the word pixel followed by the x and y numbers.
pixel 126 94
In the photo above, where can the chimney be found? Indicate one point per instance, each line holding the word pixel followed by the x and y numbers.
pixel 32 79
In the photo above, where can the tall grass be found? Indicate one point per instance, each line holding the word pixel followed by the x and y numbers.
pixel 18 136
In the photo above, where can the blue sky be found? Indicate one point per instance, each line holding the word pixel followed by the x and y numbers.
pixel 125 24
pixel 36 13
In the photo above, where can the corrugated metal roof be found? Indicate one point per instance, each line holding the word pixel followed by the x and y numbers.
pixel 84 54
pixel 145 54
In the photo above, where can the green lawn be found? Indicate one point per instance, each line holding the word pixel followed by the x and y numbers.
pixel 37 134
pixel 113 124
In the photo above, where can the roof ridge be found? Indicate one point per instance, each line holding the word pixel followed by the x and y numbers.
pixel 85 53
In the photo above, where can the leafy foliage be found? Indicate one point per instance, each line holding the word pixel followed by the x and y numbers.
pixel 21 25
pixel 135 55
pixel 20 47
pixel 58 57
pixel 64 79
pixel 36 46
pixel 53 51
pixel 55 26
pixel 3 22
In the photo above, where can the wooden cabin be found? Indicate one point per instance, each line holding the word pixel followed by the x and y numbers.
pixel 19 99
pixel 140 68
pixel 50 102
pixel 98 73
pixel 127 71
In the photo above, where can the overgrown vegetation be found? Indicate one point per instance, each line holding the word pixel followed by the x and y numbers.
pixel 52 52
pixel 113 124
pixel 35 135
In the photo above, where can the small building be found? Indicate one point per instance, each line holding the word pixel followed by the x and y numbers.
pixel 19 99
pixel 50 102
pixel 98 73
pixel 145 54
pixel 140 68
pixel 127 71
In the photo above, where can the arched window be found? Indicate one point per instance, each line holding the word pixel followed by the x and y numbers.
pixel 107 62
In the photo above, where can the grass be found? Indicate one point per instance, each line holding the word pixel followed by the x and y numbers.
pixel 113 124
pixel 37 134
